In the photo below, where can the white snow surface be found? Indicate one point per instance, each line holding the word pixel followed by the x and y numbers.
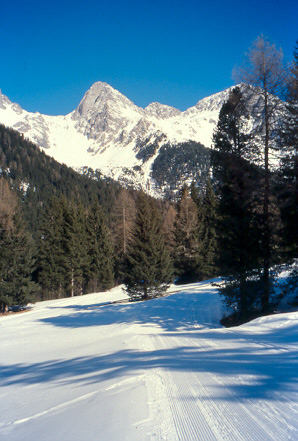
pixel 107 130
pixel 81 369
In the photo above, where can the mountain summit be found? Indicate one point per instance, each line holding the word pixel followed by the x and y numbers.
pixel 110 133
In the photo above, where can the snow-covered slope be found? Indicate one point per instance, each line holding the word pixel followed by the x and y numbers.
pixel 78 369
pixel 108 132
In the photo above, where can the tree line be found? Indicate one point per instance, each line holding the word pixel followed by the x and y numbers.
pixel 238 224
pixel 145 244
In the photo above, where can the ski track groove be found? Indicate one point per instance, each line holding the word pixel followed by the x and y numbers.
pixel 53 409
pixel 270 414
pixel 199 417
pixel 212 419
pixel 272 421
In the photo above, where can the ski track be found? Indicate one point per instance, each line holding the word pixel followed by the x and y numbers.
pixel 197 414
pixel 53 409
pixel 190 398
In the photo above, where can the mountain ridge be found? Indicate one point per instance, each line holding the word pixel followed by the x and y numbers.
pixel 109 133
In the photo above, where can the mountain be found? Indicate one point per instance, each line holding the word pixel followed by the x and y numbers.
pixel 109 133
pixel 36 178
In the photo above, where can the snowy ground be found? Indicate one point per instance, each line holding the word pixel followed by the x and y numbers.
pixel 80 370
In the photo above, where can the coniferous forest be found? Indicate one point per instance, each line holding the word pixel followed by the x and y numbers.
pixel 65 234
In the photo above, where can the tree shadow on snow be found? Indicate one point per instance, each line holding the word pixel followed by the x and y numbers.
pixel 247 373
pixel 167 313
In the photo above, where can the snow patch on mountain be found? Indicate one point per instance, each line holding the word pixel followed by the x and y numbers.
pixel 109 132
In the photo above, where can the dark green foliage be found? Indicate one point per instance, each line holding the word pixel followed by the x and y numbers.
pixel 242 293
pixel 238 224
pixel 195 234
pixel 100 251
pixel 264 69
pixel 75 253
pixel 148 149
pixel 188 243
pixel 17 264
pixel 148 270
pixel 289 164
pixel 51 266
pixel 74 258
pixel 176 164
pixel 208 218
pixel 21 162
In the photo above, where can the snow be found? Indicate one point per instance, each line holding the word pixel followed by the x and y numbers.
pixel 106 129
pixel 83 368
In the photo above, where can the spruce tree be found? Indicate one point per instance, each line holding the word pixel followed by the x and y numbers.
pixel 188 244
pixel 264 69
pixel 17 264
pixel 237 227
pixel 51 273
pixel 73 246
pixel 289 172
pixel 100 251
pixel 289 162
pixel 147 270
pixel 208 219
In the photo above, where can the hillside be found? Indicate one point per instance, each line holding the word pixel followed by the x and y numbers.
pixel 109 133
pixel 82 369
pixel 37 178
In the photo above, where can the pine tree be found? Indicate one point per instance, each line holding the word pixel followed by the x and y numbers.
pixel 51 273
pixel 121 226
pixel 208 234
pixel 264 69
pixel 289 162
pixel 188 246
pixel 289 172
pixel 147 270
pixel 236 180
pixel 22 263
pixel 81 249
pixel 100 251
pixel 17 262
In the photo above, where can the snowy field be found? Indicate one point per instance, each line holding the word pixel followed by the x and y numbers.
pixel 80 369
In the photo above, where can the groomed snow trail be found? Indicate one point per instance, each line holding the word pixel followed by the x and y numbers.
pixel 163 370
pixel 223 384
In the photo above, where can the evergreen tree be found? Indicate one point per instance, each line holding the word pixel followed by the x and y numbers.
pixel 147 270
pixel 121 226
pixel 51 273
pixel 236 180
pixel 289 162
pixel 188 245
pixel 17 261
pixel 208 218
pixel 100 251
pixel 289 172
pixel 264 69
pixel 74 247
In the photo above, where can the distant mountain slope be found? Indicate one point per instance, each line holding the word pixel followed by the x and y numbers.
pixel 110 133
pixel 36 177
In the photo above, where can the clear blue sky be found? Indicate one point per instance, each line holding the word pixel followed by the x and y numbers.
pixel 171 51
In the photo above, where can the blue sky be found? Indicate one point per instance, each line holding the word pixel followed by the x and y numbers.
pixel 174 52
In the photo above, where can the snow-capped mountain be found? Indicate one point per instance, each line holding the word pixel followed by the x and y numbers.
pixel 109 132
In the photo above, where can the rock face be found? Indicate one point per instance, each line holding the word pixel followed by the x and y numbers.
pixel 109 132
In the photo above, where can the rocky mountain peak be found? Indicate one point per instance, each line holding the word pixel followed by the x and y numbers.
pixel 161 111
pixel 4 101
pixel 100 96
pixel 110 133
